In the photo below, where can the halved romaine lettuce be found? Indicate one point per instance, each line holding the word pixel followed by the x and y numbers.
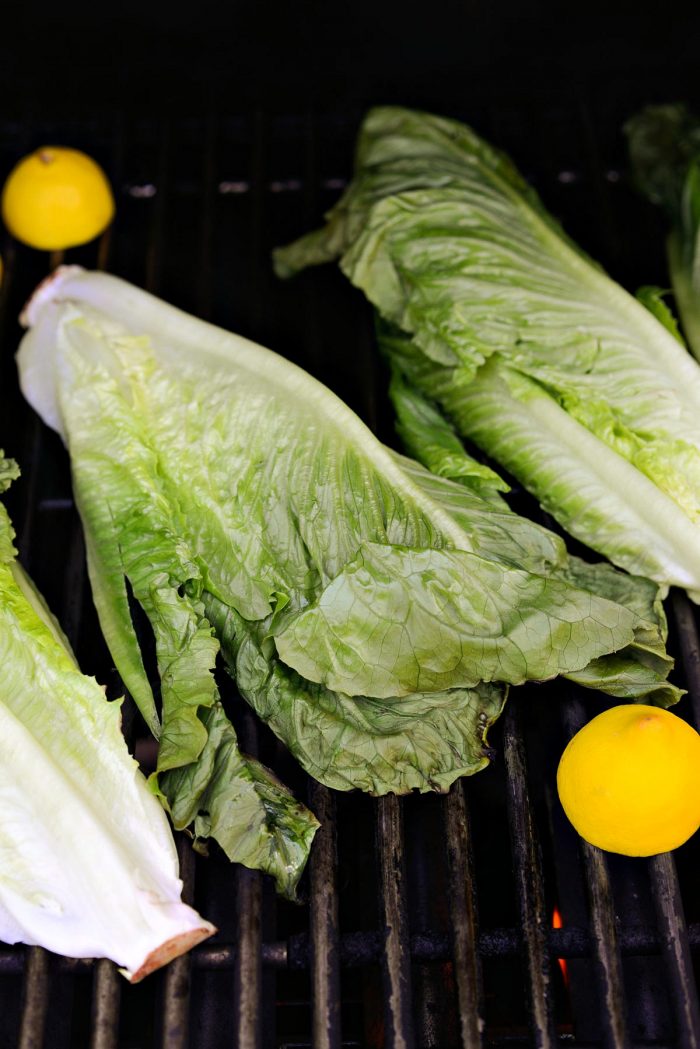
pixel 372 613
pixel 528 347
pixel 89 867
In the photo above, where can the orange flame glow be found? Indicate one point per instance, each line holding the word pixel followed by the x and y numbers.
pixel 557 924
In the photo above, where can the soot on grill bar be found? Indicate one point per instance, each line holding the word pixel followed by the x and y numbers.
pixel 472 917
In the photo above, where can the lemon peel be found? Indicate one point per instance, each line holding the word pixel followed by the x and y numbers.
pixel 629 780
pixel 56 198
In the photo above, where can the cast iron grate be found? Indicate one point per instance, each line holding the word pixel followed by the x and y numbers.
pixel 427 921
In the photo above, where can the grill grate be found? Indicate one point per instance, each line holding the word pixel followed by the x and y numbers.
pixel 428 920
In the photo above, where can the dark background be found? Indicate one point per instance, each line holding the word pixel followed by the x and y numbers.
pixel 72 59
pixel 551 83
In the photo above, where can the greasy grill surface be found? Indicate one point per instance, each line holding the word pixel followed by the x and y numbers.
pixel 428 921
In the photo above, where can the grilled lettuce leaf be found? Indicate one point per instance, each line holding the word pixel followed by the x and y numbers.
pixel 664 148
pixel 372 613
pixel 89 864
pixel 495 316
pixel 636 671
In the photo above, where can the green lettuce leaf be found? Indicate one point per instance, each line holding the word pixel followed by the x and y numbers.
pixel 664 148
pixel 638 670
pixel 373 613
pixel 531 351
pixel 655 301
pixel 430 438
pixel 422 741
pixel 133 522
pixel 89 864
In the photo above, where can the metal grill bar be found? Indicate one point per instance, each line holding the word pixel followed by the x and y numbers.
pixel 248 960
pixel 176 1007
pixel 673 931
pixel 463 917
pixel 676 950
pixel 106 996
pixel 608 963
pixel 363 948
pixel 247 985
pixel 687 632
pixel 396 957
pixel 325 952
pixel 529 881
pixel 35 999
pixel 514 1042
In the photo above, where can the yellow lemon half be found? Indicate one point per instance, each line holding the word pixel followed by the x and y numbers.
pixel 57 198
pixel 629 780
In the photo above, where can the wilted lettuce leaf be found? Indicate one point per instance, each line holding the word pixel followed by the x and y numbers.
pixel 634 673
pixel 371 612
pixel 422 741
pixel 525 344
pixel 89 864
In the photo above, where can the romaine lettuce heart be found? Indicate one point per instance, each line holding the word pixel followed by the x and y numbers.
pixel 494 315
pixel 89 864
